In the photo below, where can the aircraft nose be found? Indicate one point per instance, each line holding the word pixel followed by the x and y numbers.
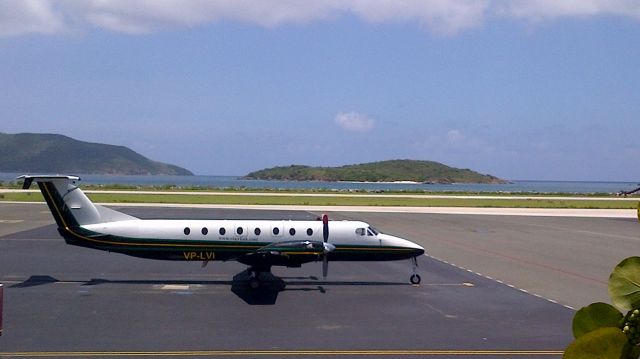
pixel 416 249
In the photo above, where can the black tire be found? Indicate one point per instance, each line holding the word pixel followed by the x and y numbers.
pixel 415 279
pixel 254 283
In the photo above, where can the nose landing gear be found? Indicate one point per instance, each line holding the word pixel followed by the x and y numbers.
pixel 415 277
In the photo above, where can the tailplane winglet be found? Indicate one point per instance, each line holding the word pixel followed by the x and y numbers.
pixel 28 179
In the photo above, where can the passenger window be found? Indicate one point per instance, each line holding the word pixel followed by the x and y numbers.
pixel 360 231
pixel 276 231
pixel 257 231
pixel 239 230
pixel 187 231
pixel 292 231
pixel 309 232
pixel 204 231
pixel 222 231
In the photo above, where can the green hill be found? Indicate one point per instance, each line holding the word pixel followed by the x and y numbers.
pixel 48 153
pixel 385 171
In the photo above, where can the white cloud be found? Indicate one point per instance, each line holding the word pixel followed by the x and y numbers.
pixel 457 142
pixel 354 122
pixel 538 10
pixel 455 136
pixel 19 17
pixel 440 16
pixel 145 16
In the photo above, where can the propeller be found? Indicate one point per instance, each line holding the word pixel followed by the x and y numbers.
pixel 328 247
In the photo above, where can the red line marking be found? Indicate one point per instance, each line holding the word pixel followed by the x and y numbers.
pixel 1 300
pixel 525 261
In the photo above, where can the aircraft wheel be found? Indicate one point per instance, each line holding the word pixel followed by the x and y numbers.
pixel 254 283
pixel 415 279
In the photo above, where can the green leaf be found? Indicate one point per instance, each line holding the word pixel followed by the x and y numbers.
pixel 594 316
pixel 624 284
pixel 603 343
pixel 630 352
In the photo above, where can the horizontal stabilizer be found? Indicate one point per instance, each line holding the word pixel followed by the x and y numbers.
pixel 28 179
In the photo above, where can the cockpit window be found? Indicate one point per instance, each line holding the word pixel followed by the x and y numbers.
pixel 373 231
pixel 360 231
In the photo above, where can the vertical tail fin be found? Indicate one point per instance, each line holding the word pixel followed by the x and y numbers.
pixel 68 204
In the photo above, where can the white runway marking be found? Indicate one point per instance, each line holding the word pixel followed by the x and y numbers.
pixel 11 221
pixel 501 282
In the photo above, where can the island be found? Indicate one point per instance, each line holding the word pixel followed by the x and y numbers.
pixel 382 171
pixel 52 153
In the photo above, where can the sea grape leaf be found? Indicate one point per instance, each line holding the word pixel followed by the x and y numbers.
pixel 633 351
pixel 603 343
pixel 624 284
pixel 594 316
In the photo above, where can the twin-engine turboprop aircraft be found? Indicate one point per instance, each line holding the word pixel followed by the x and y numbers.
pixel 260 244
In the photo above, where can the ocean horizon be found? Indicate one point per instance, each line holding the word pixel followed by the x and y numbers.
pixel 222 182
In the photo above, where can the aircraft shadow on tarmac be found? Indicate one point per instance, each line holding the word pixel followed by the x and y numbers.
pixel 266 294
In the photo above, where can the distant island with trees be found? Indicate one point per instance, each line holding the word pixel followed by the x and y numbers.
pixel 382 171
pixel 52 153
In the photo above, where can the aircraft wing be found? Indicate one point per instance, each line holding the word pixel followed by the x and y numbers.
pixel 289 253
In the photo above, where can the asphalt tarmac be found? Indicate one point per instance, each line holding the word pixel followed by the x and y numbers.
pixel 64 301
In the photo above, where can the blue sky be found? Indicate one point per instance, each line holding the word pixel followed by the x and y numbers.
pixel 519 89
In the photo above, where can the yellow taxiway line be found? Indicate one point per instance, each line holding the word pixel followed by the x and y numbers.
pixel 221 353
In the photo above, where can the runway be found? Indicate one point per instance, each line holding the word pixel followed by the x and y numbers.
pixel 63 301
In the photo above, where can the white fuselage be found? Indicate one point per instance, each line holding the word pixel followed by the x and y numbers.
pixel 263 231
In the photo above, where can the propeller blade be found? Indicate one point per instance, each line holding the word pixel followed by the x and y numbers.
pixel 328 247
pixel 325 266
pixel 325 227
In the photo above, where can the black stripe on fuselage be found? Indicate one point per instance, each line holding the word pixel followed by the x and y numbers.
pixel 60 211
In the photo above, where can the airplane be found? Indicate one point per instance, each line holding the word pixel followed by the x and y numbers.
pixel 259 244
pixel 627 193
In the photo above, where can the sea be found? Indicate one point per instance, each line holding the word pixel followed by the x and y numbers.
pixel 236 182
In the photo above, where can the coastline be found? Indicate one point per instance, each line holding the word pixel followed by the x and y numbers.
pixel 376 182
pixel 199 182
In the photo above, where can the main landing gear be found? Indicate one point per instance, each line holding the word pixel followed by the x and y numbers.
pixel 415 277
pixel 254 281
